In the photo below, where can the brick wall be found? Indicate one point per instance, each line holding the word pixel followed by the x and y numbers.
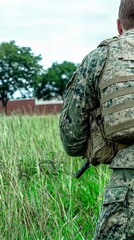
pixel 52 108
pixel 29 106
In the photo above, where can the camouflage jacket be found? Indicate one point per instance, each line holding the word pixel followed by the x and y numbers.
pixel 81 98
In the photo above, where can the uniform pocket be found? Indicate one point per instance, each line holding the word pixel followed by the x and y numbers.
pixel 115 195
pixel 114 216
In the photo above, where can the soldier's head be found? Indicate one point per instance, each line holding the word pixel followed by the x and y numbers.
pixel 126 16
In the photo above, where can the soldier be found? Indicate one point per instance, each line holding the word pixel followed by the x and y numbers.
pixel 98 114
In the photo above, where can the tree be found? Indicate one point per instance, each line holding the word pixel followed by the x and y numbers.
pixel 54 80
pixel 19 70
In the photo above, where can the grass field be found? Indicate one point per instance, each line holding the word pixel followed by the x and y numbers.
pixel 40 199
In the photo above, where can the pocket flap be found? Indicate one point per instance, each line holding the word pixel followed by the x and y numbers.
pixel 115 194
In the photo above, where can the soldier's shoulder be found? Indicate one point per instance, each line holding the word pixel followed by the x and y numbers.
pixel 108 41
pixel 98 54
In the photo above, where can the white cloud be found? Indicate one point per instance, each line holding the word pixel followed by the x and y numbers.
pixel 58 30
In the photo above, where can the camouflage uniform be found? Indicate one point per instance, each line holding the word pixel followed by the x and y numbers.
pixel 117 216
pixel 116 221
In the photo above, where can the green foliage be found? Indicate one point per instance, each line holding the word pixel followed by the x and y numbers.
pixel 19 70
pixel 54 80
pixel 39 197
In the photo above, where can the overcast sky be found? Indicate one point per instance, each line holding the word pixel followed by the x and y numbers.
pixel 57 29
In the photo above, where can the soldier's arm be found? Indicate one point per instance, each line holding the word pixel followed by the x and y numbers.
pixel 80 100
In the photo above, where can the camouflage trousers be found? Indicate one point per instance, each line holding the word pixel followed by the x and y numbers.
pixel 116 220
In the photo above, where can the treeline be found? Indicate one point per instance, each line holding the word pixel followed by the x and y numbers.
pixel 21 72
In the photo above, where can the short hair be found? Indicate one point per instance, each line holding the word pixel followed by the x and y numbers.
pixel 126 14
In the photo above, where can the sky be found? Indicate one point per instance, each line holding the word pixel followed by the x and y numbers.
pixel 59 30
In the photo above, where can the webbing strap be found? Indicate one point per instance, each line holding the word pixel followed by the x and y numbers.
pixel 118 93
pixel 119 127
pixel 103 84
pixel 98 112
pixel 118 107
pixel 98 141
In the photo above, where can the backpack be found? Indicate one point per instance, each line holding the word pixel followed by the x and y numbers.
pixel 112 124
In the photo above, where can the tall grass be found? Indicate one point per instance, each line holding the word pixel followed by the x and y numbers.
pixel 40 199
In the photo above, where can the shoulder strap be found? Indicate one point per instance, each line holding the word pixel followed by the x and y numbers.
pixel 107 41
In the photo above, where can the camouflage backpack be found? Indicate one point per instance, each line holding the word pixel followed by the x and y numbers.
pixel 113 123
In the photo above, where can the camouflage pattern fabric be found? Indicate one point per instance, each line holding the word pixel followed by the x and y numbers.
pixel 82 97
pixel 117 89
pixel 124 159
pixel 117 217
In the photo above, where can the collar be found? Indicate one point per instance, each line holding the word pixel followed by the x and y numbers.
pixel 129 32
